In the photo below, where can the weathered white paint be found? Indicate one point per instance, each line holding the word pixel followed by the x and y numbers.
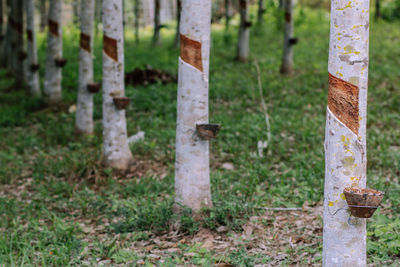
pixel 192 173
pixel 287 61
pixel 32 76
pixel 115 145
pixel 84 107
pixel 244 31
pixel 53 74
pixel 344 244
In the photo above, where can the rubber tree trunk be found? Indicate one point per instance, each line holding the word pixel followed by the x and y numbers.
pixel 260 13
pixel 244 32
pixel 344 237
pixel 84 107
pixel 14 50
pixel 53 73
pixel 178 21
pixel 43 15
pixel 157 23
pixel 115 140
pixel 2 31
pixel 76 10
pixel 32 64
pixel 287 61
pixel 377 9
pixel 192 172
pixel 137 20
pixel 227 14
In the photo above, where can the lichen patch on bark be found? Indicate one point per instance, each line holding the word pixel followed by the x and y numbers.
pixel 191 52
pixel 53 27
pixel 343 102
pixel 85 42
pixel 110 47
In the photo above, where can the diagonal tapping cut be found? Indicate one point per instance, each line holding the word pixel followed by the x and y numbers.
pixel 191 52
pixel 343 102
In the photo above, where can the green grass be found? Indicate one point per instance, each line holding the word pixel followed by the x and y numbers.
pixel 55 187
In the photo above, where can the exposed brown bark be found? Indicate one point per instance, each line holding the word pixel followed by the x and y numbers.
pixel 191 52
pixel 343 102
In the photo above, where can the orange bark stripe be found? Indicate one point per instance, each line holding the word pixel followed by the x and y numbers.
pixel 343 102
pixel 53 27
pixel 85 42
pixel 29 35
pixel 110 47
pixel 191 52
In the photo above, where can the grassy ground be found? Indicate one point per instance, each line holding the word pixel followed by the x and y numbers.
pixel 59 207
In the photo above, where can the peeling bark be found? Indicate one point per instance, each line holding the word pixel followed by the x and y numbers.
pixel 244 32
pixel 84 108
pixel 32 74
pixel 287 61
pixel 115 144
pixel 344 238
pixel 192 174
pixel 53 74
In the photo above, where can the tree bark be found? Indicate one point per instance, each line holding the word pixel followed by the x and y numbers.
pixel 2 31
pixel 76 10
pixel 178 21
pixel 14 46
pixel 84 108
pixel 157 23
pixel 344 237
pixel 137 19
pixel 192 173
pixel 43 15
pixel 53 73
pixel 244 32
pixel 377 9
pixel 287 61
pixel 115 144
pixel 260 13
pixel 32 72
pixel 227 14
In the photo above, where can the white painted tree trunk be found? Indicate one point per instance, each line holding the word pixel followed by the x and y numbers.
pixel 53 74
pixel 344 239
pixel 157 22
pixel 84 108
pixel 32 74
pixel 287 62
pixel 244 31
pixel 116 150
pixel 192 173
